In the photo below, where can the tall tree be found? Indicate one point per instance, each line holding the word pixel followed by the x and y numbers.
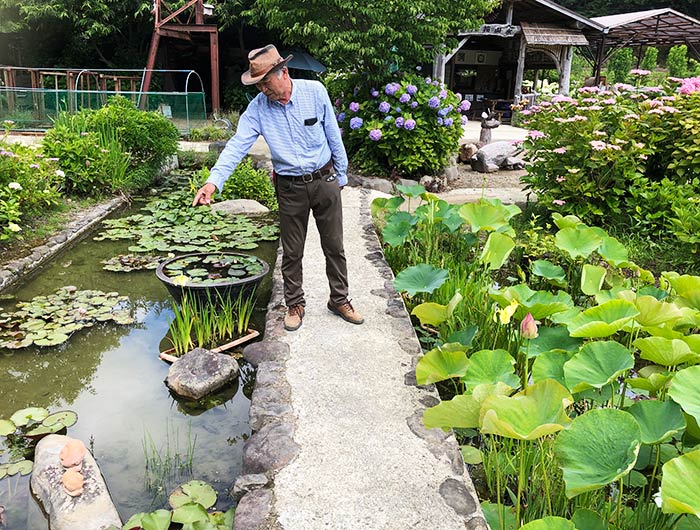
pixel 369 36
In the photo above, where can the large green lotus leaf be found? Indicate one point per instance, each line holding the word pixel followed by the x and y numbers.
pixel 688 522
pixel 614 252
pixel 570 221
pixel 530 414
pixel 685 390
pixel 592 278
pixel 550 365
pixel 598 448
pixel 544 304
pixel 687 287
pixel 7 427
pixel 505 296
pixel 496 250
pixel 658 420
pixel 440 364
pixel 549 271
pixel 585 519
pixel 653 312
pixel 430 313
pixel 421 278
pixel 666 352
pixel 509 210
pixel 578 242
pixel 414 191
pixel 507 515
pixel 464 336
pixel 395 233
pixel 693 341
pixel 471 454
pixel 382 203
pixel 24 416
pixel 491 366
pixel 602 320
pixel 484 216
pixel 680 484
pixel 597 364
pixel 461 411
pixel 555 338
pixel 549 523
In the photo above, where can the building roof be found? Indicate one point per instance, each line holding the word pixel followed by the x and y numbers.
pixel 655 27
pixel 548 34
pixel 543 12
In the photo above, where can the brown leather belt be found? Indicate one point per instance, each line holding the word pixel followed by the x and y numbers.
pixel 324 171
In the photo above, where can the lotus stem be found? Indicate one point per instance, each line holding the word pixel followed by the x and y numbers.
pixel 521 479
pixel 545 477
pixel 653 473
pixel 619 501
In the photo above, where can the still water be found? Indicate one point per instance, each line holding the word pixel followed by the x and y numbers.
pixel 111 376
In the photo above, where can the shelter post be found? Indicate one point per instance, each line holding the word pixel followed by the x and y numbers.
pixel 518 90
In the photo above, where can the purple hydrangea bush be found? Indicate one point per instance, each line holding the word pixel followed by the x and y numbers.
pixel 410 126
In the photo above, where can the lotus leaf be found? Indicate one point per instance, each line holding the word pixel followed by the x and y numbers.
pixel 421 278
pixel 666 352
pixel 598 448
pixel 435 314
pixel 413 191
pixel 602 320
pixel 245 246
pixel 592 278
pixel 549 523
pixel 471 454
pixel 549 271
pixel 462 411
pixel 686 287
pixel 489 367
pixel 464 336
pixel 440 364
pixel 680 484
pixel 7 427
pixel 537 411
pixel 596 365
pixel 507 515
pixel 496 250
pixel 578 242
pixel 550 365
pixel 484 216
pixel 555 338
pixel 32 414
pixel 658 420
pixel 194 491
pixel 653 312
pixel 585 519
pixel 686 392
pixel 688 522
pixel 396 231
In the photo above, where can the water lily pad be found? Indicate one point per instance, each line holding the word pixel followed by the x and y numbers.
pixel 32 414
pixel 23 467
pixel 52 339
pixel 194 491
pixel 7 427
pixel 66 418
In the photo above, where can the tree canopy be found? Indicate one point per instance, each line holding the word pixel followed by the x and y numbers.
pixel 369 36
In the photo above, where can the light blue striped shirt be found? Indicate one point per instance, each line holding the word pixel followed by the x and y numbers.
pixel 302 135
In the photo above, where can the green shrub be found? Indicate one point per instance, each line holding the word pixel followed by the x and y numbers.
pixel 245 182
pixel 196 159
pixel 620 65
pixel 28 186
pixel 649 61
pixel 410 126
pixel 677 61
pixel 209 133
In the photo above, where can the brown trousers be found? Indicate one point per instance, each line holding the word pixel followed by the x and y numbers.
pixel 296 199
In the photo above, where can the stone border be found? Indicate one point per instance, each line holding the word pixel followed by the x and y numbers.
pixel 272 419
pixel 76 229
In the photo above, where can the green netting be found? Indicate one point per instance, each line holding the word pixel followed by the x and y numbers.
pixel 34 109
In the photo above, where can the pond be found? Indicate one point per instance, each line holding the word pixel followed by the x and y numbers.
pixel 145 441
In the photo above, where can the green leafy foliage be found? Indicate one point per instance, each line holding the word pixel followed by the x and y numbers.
pixel 246 182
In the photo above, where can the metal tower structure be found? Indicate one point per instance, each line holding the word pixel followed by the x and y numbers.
pixel 180 24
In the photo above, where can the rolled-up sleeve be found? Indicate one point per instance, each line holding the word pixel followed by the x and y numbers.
pixel 237 147
pixel 335 140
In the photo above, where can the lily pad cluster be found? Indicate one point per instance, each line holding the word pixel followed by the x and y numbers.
pixel 132 262
pixel 212 269
pixel 172 225
pixel 23 429
pixel 51 320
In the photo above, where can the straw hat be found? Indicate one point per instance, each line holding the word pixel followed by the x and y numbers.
pixel 262 62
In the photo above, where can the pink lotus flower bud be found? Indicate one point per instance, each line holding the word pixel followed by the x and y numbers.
pixel 528 327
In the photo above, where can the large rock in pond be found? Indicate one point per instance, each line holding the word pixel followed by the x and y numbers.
pixel 493 156
pixel 92 509
pixel 201 372
pixel 240 206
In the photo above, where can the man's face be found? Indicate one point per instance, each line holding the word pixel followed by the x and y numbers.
pixel 272 86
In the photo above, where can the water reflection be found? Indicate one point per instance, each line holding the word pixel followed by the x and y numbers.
pixel 112 377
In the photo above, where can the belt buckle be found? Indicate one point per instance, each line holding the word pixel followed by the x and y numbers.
pixel 307 177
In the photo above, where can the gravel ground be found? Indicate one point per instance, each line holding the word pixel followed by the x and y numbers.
pixel 473 179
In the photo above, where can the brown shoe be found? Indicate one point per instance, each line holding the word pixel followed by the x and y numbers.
pixel 294 317
pixel 346 312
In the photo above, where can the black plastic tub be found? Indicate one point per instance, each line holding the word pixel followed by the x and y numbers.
pixel 216 289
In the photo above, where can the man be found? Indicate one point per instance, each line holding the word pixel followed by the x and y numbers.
pixel 298 123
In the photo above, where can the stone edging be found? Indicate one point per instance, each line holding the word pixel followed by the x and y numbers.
pixel 15 269
pixel 272 419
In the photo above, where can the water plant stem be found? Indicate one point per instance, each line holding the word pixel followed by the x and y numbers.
pixel 545 477
pixel 521 480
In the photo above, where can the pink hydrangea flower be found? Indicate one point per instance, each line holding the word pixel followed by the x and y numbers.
pixel 561 179
pixel 597 145
pixel 559 202
pixel 559 151
pixel 534 134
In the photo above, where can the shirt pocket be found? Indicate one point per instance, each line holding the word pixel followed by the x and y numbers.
pixel 314 136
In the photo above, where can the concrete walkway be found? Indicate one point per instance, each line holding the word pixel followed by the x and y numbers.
pixel 339 442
